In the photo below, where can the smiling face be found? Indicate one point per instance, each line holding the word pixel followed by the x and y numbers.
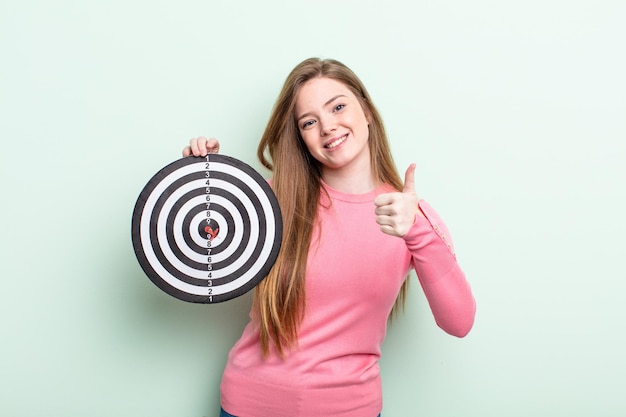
pixel 333 125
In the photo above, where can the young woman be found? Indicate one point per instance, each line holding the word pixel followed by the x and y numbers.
pixel 352 229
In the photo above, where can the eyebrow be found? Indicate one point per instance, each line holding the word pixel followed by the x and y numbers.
pixel 325 104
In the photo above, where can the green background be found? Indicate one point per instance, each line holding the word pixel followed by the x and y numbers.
pixel 513 111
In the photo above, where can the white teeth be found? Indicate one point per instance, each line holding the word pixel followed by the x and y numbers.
pixel 336 143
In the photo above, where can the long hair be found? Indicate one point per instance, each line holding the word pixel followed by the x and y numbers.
pixel 279 300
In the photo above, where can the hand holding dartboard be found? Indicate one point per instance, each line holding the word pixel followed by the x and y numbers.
pixel 206 229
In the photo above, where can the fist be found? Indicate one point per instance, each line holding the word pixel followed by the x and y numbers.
pixel 395 212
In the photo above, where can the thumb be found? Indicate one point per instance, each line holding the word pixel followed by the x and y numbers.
pixel 409 180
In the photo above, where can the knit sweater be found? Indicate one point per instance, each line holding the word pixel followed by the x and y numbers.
pixel 353 276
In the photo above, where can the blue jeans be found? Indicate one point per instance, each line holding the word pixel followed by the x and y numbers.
pixel 225 414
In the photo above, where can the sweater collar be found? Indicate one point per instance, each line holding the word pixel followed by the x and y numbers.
pixel 356 198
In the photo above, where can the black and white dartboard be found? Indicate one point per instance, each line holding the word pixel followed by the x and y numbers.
pixel 206 229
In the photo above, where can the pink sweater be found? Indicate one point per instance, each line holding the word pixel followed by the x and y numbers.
pixel 354 273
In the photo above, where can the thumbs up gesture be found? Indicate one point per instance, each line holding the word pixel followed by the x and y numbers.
pixel 395 212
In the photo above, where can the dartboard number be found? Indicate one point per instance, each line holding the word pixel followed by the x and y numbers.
pixel 207 190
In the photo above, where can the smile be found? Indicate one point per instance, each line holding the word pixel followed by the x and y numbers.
pixel 336 142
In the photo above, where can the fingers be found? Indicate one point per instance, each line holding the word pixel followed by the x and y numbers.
pixel 201 146
pixel 390 198
pixel 382 200
pixel 212 145
pixel 409 180
pixel 395 212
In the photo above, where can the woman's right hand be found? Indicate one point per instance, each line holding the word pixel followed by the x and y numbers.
pixel 201 146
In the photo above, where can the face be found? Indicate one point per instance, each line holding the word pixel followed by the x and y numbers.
pixel 333 125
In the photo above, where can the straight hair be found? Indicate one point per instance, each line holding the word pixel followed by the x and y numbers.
pixel 279 300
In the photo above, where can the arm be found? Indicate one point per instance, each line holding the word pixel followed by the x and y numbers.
pixel 450 297
pixel 447 291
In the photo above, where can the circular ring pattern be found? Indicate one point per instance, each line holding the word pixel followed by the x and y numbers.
pixel 207 229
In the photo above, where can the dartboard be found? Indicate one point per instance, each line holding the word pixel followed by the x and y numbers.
pixel 206 229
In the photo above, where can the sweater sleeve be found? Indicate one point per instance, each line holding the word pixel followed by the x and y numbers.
pixel 445 286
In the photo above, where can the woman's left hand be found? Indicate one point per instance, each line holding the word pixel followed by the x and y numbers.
pixel 395 212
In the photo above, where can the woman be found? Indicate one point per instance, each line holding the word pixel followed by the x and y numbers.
pixel 351 232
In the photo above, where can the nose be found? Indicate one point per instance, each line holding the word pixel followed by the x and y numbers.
pixel 327 125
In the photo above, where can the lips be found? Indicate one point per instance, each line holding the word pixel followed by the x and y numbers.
pixel 333 143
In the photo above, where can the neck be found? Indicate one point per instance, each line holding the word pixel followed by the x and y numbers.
pixel 350 181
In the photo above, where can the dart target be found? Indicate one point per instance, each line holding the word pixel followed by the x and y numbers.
pixel 206 229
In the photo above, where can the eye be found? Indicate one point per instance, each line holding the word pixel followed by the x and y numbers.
pixel 307 123
pixel 339 107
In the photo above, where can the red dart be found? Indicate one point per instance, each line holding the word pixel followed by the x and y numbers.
pixel 210 232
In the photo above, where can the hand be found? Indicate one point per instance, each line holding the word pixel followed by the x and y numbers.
pixel 201 146
pixel 395 212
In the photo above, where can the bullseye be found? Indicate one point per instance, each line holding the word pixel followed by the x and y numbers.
pixel 206 229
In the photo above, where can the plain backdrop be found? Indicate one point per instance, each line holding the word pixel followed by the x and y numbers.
pixel 514 113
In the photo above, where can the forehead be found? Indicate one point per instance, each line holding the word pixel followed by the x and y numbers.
pixel 316 92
